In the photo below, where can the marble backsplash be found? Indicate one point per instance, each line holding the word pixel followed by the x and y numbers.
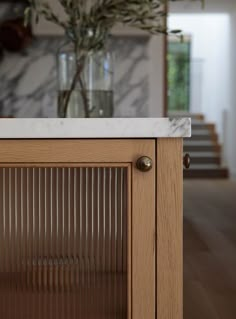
pixel 28 80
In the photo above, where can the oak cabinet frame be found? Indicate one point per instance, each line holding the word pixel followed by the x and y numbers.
pixel 154 209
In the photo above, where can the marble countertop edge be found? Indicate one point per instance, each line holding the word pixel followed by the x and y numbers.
pixel 95 128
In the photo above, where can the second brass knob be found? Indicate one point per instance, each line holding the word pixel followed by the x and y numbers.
pixel 187 161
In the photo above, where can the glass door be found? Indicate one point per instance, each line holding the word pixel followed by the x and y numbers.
pixel 69 244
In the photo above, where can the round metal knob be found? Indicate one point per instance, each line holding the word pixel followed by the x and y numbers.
pixel 187 161
pixel 144 164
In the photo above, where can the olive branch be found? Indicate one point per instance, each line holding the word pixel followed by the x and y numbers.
pixel 102 15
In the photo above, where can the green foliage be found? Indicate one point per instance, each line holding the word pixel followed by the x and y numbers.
pixel 102 16
pixel 178 76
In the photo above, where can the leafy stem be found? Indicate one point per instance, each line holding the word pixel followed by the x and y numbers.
pixel 77 78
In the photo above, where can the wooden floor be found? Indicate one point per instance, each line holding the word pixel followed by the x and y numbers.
pixel 209 249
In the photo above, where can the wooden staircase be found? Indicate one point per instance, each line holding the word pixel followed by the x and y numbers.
pixel 204 150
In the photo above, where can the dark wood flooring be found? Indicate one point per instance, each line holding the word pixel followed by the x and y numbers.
pixel 209 249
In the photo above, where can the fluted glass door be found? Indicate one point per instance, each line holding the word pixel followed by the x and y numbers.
pixel 77 229
pixel 63 242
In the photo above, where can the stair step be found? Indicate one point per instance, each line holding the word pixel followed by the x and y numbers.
pixel 201 146
pixel 206 171
pixel 198 125
pixel 204 137
pixel 204 154
pixel 205 158
pixel 188 142
pixel 205 166
pixel 203 131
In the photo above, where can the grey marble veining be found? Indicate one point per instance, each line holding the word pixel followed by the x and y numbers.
pixel 29 79
pixel 131 76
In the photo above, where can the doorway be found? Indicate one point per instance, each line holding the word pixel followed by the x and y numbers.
pixel 178 58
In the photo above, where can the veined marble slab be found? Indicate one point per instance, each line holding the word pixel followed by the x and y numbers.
pixel 29 78
pixel 95 128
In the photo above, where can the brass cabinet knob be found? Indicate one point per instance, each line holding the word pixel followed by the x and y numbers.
pixel 144 164
pixel 187 161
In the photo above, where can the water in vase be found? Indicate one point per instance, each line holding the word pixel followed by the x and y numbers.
pixel 99 103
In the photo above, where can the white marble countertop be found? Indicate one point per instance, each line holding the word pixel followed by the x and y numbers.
pixel 95 128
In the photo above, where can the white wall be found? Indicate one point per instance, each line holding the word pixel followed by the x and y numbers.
pixel 231 128
pixel 211 6
pixel 210 56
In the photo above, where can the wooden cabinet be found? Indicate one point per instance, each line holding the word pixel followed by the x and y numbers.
pixel 86 234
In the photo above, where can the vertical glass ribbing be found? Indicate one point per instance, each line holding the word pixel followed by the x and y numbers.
pixel 63 243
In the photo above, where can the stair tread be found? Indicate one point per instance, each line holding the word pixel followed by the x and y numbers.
pixel 198 143
pixel 200 123
pixel 209 174
pixel 204 138
pixel 207 167
pixel 201 132
pixel 204 154
pixel 197 121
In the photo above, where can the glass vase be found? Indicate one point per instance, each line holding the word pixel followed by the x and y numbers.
pixel 85 82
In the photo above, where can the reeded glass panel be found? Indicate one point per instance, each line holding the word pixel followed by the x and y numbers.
pixel 63 243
